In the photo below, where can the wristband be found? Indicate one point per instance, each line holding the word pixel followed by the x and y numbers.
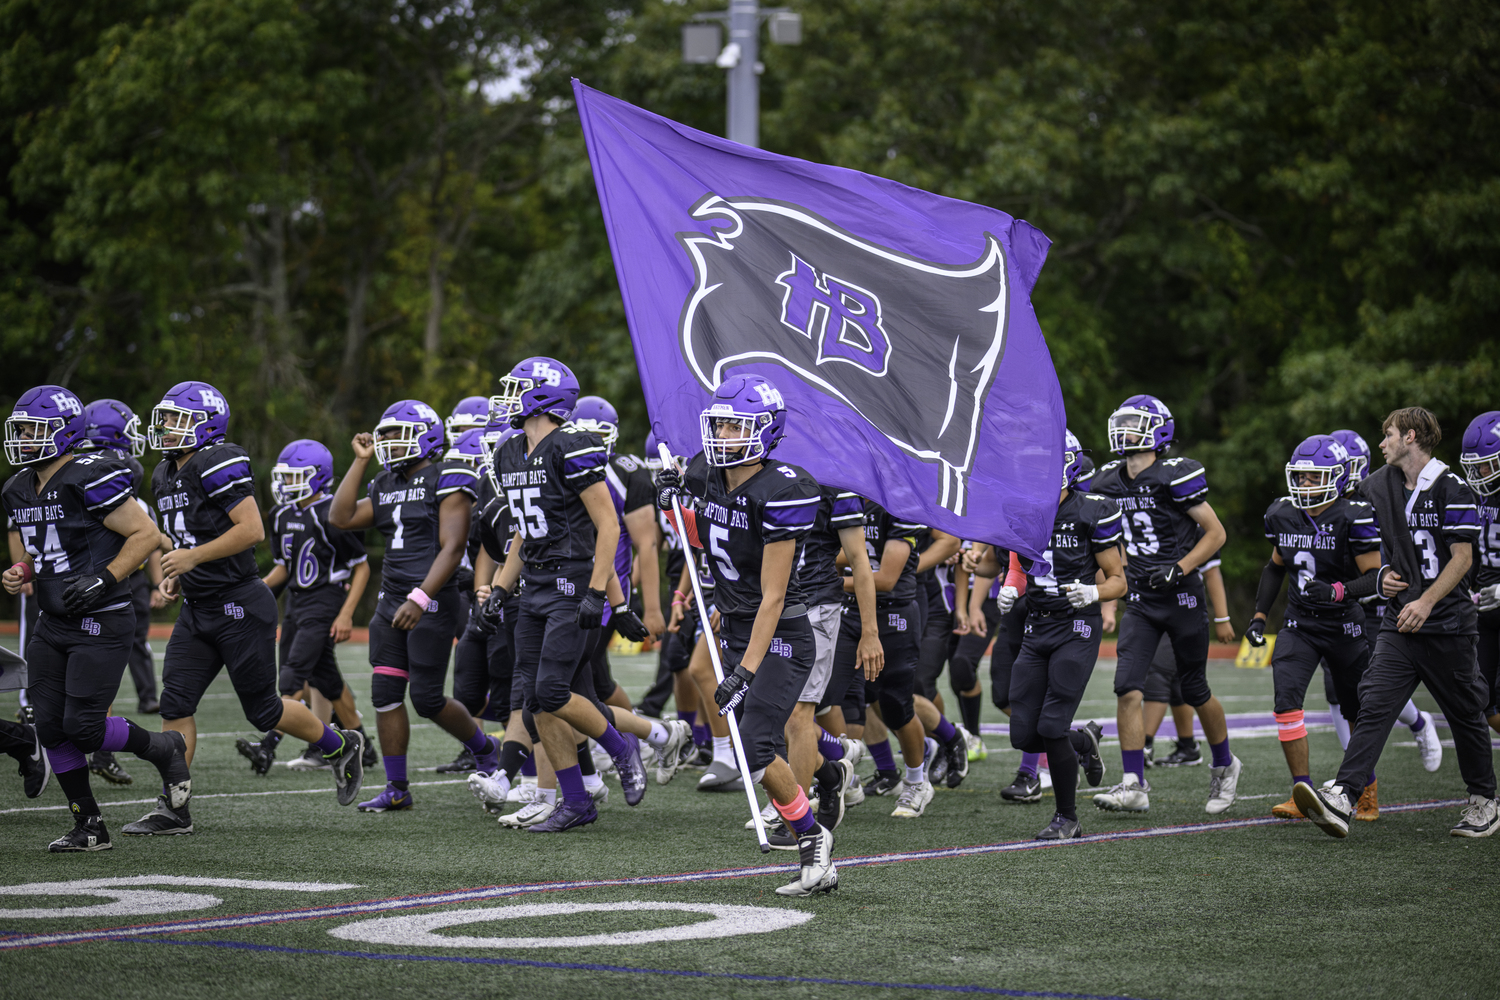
pixel 419 598
pixel 26 570
pixel 1338 591
pixel 679 595
pixel 1220 620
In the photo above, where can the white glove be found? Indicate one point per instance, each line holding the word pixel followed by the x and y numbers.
pixel 1488 598
pixel 1007 599
pixel 1081 595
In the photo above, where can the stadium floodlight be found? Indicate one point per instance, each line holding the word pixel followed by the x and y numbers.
pixel 740 59
pixel 700 43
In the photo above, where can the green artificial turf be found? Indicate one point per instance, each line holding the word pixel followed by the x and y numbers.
pixel 1399 909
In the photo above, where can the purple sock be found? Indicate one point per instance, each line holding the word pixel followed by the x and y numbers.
pixel 570 782
pixel 1222 756
pixel 116 734
pixel 528 767
pixel 829 746
pixel 702 735
pixel 691 718
pixel 1305 779
pixel 330 741
pixel 802 824
pixel 395 768
pixel 1371 781
pixel 1134 761
pixel 944 731
pixel 881 754
pixel 1029 762
pixel 1419 725
pixel 478 743
pixel 613 743
pixel 66 757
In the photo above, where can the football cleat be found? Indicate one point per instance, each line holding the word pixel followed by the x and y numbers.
pixel 768 816
pixel 1480 818
pixel 1428 743
pixel 882 783
pixel 697 757
pixel 912 800
pixel 632 771
pixel 831 804
pixel 371 755
pixel 669 755
pixel 530 814
pixel 566 816
pixel 26 715
pixel 391 799
pixel 88 834
pixel 492 790
pixel 310 759
pixel 1128 796
pixel 1367 808
pixel 524 791
pixel 603 762
pixel 260 757
pixel 1288 809
pixel 818 873
pixel 935 760
pixel 977 749
pixel 598 793
pixel 462 764
pixel 1183 756
pixel 148 706
pixel 35 769
pixel 1090 764
pixel 854 750
pixel 1222 783
pixel 780 837
pixel 854 794
pixel 104 764
pixel 1328 807
pixel 348 766
pixel 1150 759
pixel 1061 828
pixel 721 776
pixel 1026 788
pixel 168 752
pixel 162 821
pixel 956 751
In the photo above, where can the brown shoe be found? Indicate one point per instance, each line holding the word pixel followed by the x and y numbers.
pixel 1368 806
pixel 1287 810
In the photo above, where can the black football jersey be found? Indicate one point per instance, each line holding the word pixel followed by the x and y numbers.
pixel 1439 516
pixel 818 574
pixel 406 513
pixel 881 527
pixel 483 494
pixel 1487 553
pixel 313 552
pixel 63 526
pixel 1321 548
pixel 779 502
pixel 193 501
pixel 1153 508
pixel 542 488
pixel 631 478
pixel 1086 524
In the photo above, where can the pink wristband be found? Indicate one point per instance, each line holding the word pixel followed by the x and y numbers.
pixel 419 598
pixel 1338 591
pixel 26 570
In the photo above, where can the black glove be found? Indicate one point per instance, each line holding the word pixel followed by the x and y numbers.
pixel 1324 593
pixel 1166 577
pixel 1255 632
pixel 86 591
pixel 629 624
pixel 492 611
pixel 591 610
pixel 736 686
pixel 668 487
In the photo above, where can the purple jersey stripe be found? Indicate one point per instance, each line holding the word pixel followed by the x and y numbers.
pixel 1191 488
pixel 450 482
pixel 586 462
pixel 103 493
pixel 849 509
pixel 217 478
pixel 794 516
pixel 1460 517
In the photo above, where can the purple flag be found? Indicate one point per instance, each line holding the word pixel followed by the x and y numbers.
pixel 896 323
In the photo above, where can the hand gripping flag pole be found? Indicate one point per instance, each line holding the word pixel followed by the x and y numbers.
pixel 713 652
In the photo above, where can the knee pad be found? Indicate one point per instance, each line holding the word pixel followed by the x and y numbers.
pixel 388 688
pixel 1290 726
pixel 267 713
pixel 429 703
pixel 1195 690
pixel 172 707
pixel 87 737
pixel 894 713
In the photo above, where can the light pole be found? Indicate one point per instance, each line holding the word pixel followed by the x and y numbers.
pixel 741 57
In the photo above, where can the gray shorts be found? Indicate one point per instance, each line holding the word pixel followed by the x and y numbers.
pixel 824 619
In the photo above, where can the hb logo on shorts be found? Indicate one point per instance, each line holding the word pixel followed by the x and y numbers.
pixel 1187 600
pixel 780 647
pixel 234 610
pixel 564 585
pixel 1353 628
pixel 91 627
pixel 1083 628
pixel 897 622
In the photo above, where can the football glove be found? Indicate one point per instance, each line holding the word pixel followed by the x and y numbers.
pixel 591 610
pixel 1255 632
pixel 492 611
pixel 1081 595
pixel 1166 577
pixel 1007 599
pixel 668 488
pixel 733 690
pixel 85 591
pixel 1488 598
pixel 629 624
pixel 1326 593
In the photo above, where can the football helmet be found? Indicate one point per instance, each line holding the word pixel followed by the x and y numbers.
pixel 1141 423
pixel 467 448
pixel 1318 471
pixel 536 385
pixel 471 411
pixel 190 416
pixel 110 424
pixel 1073 459
pixel 593 413
pixel 409 431
pixel 1359 455
pixel 46 422
pixel 1480 456
pixel 303 469
pixel 743 423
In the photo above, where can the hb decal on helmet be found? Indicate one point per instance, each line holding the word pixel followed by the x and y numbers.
pixel 303 469
pixel 536 385
pixel 743 423
pixel 190 416
pixel 409 431
pixel 1318 471
pixel 46 422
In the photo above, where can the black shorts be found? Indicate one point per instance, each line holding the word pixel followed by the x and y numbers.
pixel 307 646
pixel 938 642
pixel 1489 658
pixel 1177 613
pixel 1008 631
pixel 1162 684
pixel 1047 681
pixel 779 681
pixel 550 647
pixel 74 668
pixel 418 658
pixel 235 631
pixel 1302 644
pixel 894 687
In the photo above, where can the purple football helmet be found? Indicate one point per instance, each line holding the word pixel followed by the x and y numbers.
pixel 47 421
pixel 190 416
pixel 409 431
pixel 1073 459
pixel 1318 472
pixel 743 423
pixel 536 385
pixel 304 469
pixel 1481 453
pixel 1359 455
pixel 467 448
pixel 471 411
pixel 593 413
pixel 1142 423
pixel 496 432
pixel 111 425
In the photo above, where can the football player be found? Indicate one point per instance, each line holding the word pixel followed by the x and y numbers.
pixel 1480 459
pixel 986 618
pixel 471 413
pixel 1163 503
pixel 753 516
pixel 324 571
pixel 1332 544
pixel 83 535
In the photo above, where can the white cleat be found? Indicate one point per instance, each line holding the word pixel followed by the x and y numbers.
pixel 1128 796
pixel 768 815
pixel 1222 782
pixel 679 734
pixel 912 800
pixel 855 793
pixel 818 873
pixel 599 793
pixel 1429 744
pixel 523 792
pixel 854 750
pixel 603 762
pixel 529 815
pixel 492 790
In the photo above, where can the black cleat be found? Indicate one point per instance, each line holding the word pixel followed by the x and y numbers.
pixel 1090 764
pixel 149 706
pixel 348 766
pixel 103 764
pixel 1026 788
pixel 883 783
pixel 1061 828
pixel 462 764
pixel 957 752
pixel 1187 754
pixel 780 837
pixel 371 755
pixel 26 715
pixel 161 821
pixel 831 803
pixel 88 834
pixel 36 769
pixel 260 756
